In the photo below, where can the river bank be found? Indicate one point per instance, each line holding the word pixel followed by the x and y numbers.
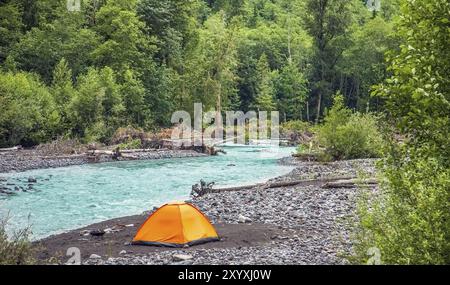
pixel 23 160
pixel 302 224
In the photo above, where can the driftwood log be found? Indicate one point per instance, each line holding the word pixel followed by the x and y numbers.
pixel 201 189
pixel 72 156
pixel 209 150
pixel 280 184
pixel 16 148
pixel 306 156
pixel 143 150
pixel 100 152
pixel 350 183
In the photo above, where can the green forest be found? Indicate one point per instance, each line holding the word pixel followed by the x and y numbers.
pixel 133 63
pixel 372 83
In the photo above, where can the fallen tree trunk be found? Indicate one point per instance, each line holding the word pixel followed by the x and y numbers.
pixel 125 151
pixel 277 184
pixel 143 150
pixel 16 148
pixel 129 156
pixel 306 156
pixel 100 152
pixel 350 183
pixel 71 156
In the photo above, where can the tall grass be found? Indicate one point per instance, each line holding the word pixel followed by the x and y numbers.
pixel 17 248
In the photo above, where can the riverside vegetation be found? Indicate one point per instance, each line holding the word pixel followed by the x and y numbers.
pixel 351 83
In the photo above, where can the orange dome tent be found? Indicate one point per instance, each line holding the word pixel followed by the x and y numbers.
pixel 176 225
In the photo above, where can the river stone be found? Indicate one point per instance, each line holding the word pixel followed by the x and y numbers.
pixel 107 231
pixel 243 219
pixel 97 233
pixel 185 262
pixel 32 180
pixel 181 257
pixel 95 256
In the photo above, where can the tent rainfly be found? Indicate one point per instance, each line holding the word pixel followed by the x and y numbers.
pixel 176 224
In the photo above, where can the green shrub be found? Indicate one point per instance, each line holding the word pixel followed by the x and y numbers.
pixel 311 152
pixel 408 219
pixel 348 135
pixel 96 132
pixel 16 250
pixel 132 144
pixel 28 115
pixel 302 148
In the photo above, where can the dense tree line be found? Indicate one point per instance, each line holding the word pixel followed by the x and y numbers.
pixel 133 62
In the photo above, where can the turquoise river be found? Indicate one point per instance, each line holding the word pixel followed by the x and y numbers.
pixel 71 197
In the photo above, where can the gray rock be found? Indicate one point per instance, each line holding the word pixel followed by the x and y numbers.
pixel 95 256
pixel 32 180
pixel 243 219
pixel 181 257
pixel 97 233
pixel 185 262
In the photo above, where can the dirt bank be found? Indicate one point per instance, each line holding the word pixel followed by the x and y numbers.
pixel 115 244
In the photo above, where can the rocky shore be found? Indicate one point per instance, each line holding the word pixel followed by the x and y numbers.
pixel 22 160
pixel 304 224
